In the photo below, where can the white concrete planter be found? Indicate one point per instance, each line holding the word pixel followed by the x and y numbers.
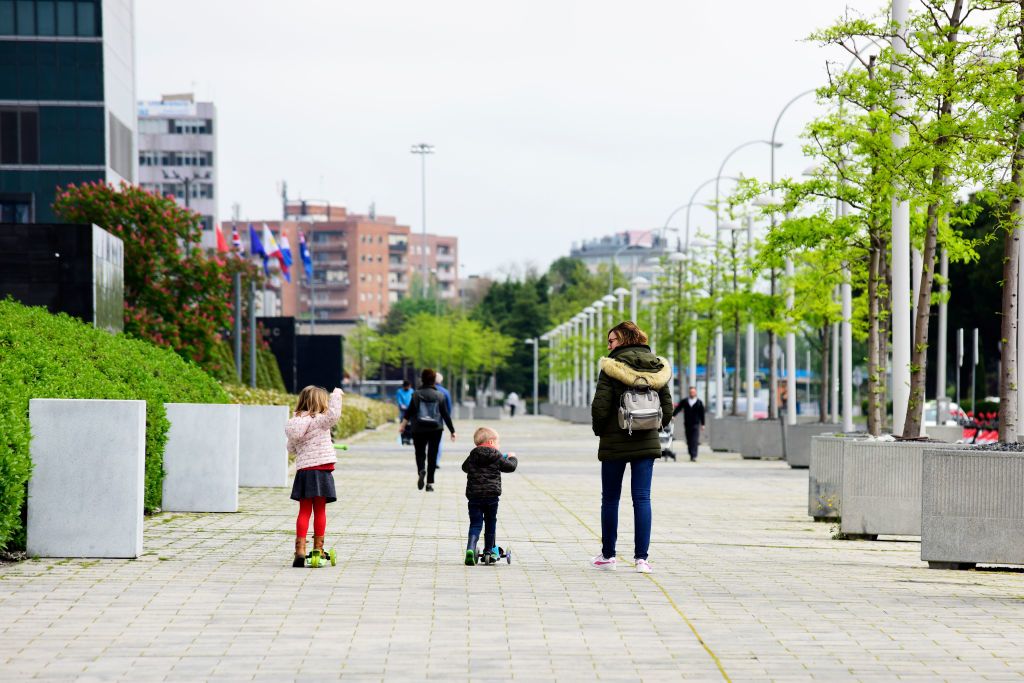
pixel 881 488
pixel 262 446
pixel 726 433
pixel 972 508
pixel 547 409
pixel 580 415
pixel 86 493
pixel 201 458
pixel 825 476
pixel 760 439
pixel 946 433
pixel 798 441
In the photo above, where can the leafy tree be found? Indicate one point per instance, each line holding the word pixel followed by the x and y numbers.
pixel 173 298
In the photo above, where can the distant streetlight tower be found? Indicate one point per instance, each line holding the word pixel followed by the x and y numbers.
pixel 423 149
pixel 535 343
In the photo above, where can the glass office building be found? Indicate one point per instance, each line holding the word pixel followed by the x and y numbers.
pixel 67 100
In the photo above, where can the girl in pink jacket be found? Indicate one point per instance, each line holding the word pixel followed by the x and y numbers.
pixel 309 438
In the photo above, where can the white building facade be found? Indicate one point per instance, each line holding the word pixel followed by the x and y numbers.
pixel 178 155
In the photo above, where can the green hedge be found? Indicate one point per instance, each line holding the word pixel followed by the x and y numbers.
pixel 268 374
pixel 56 356
pixel 357 413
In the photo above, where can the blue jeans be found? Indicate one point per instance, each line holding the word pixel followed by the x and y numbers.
pixel 612 472
pixel 481 511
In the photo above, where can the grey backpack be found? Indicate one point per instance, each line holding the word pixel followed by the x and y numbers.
pixel 640 408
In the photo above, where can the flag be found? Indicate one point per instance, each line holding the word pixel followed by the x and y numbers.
pixel 286 256
pixel 272 250
pixel 222 244
pixel 307 260
pixel 236 241
pixel 255 246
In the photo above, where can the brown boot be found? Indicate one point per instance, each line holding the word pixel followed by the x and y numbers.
pixel 318 544
pixel 300 552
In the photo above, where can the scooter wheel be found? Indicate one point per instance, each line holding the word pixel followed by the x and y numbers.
pixel 334 557
pixel 314 560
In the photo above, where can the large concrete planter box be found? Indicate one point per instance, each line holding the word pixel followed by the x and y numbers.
pixel 580 415
pixel 475 412
pixel 798 441
pixel 972 508
pixel 946 433
pixel 760 439
pixel 726 434
pixel 86 493
pixel 262 446
pixel 547 409
pixel 201 458
pixel 825 476
pixel 881 488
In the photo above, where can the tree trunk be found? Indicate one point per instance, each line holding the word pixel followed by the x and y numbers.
pixel 1011 264
pixel 826 343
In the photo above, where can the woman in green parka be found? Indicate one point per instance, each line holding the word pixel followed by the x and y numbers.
pixel 629 363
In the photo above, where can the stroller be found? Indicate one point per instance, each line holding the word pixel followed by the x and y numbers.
pixel 665 438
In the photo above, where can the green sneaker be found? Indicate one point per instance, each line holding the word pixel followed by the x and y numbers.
pixel 470 557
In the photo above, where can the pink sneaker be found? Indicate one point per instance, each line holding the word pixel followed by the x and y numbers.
pixel 602 562
pixel 642 567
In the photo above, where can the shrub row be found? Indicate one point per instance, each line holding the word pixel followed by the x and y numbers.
pixel 268 374
pixel 56 356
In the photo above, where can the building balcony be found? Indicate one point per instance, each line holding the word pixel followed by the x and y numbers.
pixel 398 248
pixel 445 258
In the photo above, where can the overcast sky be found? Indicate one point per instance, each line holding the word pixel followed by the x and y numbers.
pixel 553 120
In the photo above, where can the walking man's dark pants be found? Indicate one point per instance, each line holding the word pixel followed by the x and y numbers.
pixel 426 445
pixel 693 440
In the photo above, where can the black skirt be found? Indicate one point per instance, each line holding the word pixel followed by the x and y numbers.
pixel 314 484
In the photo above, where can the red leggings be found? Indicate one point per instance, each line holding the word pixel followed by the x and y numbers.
pixel 311 506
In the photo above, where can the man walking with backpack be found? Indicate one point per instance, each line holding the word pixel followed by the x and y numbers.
pixel 632 403
pixel 427 415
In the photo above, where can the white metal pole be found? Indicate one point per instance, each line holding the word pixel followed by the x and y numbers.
pixel 719 375
pixel 900 251
pixel 634 286
pixel 941 402
pixel 536 384
pixel 575 327
pixel 834 379
pixel 791 392
pixel 847 350
pixel 751 332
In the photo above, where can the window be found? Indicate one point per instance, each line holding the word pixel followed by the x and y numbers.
pixel 86 18
pixel 65 18
pixel 14 209
pixel 26 18
pixel 19 136
pixel 6 17
pixel 46 18
pixel 191 126
pixel 154 126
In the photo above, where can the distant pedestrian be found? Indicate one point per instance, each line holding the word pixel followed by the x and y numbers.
pixel 483 470
pixel 448 402
pixel 512 400
pixel 632 403
pixel 427 415
pixel 692 409
pixel 309 438
pixel 403 396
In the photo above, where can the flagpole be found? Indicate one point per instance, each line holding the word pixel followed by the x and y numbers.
pixel 312 280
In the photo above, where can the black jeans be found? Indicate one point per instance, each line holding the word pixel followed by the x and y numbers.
pixel 484 511
pixel 692 439
pixel 426 445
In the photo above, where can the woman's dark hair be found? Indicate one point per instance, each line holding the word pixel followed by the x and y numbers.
pixel 405 384
pixel 428 377
pixel 629 334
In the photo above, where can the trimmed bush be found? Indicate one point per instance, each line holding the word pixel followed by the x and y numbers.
pixel 268 374
pixel 57 356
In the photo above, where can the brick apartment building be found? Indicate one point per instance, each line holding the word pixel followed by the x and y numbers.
pixel 361 263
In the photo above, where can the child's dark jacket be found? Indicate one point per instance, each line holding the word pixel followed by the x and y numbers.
pixel 483 470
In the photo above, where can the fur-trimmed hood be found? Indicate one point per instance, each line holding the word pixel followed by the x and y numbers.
pixel 637 363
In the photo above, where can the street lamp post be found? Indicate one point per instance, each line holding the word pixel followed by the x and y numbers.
pixel 719 374
pixel 620 293
pixel 423 149
pixel 588 353
pixel 900 14
pixel 634 294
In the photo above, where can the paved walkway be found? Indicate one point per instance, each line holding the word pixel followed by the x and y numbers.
pixel 746 587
